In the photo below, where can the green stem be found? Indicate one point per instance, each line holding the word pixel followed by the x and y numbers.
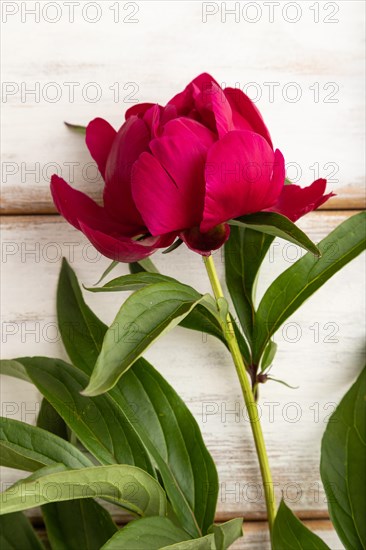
pixel 249 399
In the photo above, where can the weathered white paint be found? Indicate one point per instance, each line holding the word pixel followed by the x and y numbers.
pixel 153 59
pixel 323 370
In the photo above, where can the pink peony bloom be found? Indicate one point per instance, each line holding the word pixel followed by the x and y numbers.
pixel 182 170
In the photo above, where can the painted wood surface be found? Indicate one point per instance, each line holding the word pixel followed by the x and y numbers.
pixel 320 350
pixel 303 66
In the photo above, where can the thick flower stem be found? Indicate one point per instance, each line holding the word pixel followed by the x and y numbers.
pixel 249 399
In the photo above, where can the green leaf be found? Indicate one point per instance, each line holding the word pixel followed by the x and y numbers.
pixel 127 486
pixel 107 271
pixel 289 533
pixel 16 533
pixel 133 282
pixel 160 533
pixel 244 254
pixel 77 525
pixel 201 320
pixel 10 367
pixel 143 318
pixel 173 247
pixel 76 128
pixel 221 538
pixel 49 419
pixel 268 355
pixel 143 265
pixel 146 408
pixel 202 543
pixel 302 279
pixel 81 331
pixel 27 447
pixel 277 225
pixel 227 533
pixel 152 410
pixel 172 436
pixel 342 467
pixel 97 423
pixel 146 534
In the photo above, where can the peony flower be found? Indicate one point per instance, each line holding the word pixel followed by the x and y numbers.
pixel 183 170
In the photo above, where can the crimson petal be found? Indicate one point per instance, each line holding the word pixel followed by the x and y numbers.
pixel 295 201
pixel 168 186
pixel 132 139
pixel 204 96
pixel 99 139
pixel 120 249
pixel 243 175
pixel 77 207
pixel 246 116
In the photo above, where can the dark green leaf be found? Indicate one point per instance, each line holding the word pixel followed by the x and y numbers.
pixel 244 254
pixel 143 265
pixel 146 408
pixel 97 423
pixel 342 468
pixel 277 225
pixel 144 317
pixel 160 534
pixel 133 282
pixel 146 534
pixel 268 355
pixel 81 330
pixel 10 367
pixel 107 271
pixel 156 414
pixel 77 525
pixel 201 543
pixel 76 128
pixel 127 486
pixel 49 419
pixel 173 438
pixel 16 533
pixel 301 280
pixel 289 533
pixel 29 448
pixel 173 247
pixel 74 524
pixel 227 533
pixel 200 319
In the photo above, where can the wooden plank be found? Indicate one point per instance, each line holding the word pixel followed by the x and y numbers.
pixel 320 350
pixel 17 200
pixel 311 94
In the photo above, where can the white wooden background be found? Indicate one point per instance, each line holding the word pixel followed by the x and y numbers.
pixel 321 347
